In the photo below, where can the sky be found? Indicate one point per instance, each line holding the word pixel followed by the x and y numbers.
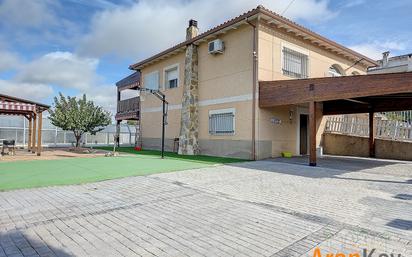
pixel 86 46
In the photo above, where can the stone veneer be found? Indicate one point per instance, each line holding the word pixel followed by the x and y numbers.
pixel 189 127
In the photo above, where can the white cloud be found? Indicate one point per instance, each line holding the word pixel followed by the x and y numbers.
pixel 375 49
pixel 35 92
pixel 95 3
pixel 149 26
pixel 353 3
pixel 102 95
pixel 62 69
pixel 8 61
pixel 40 78
pixel 26 13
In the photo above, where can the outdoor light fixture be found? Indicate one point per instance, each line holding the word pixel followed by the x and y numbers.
pixel 290 116
pixel 165 104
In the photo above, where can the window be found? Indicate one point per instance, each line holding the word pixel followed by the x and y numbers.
pixel 295 64
pixel 172 77
pixel 335 71
pixel 222 122
pixel 151 80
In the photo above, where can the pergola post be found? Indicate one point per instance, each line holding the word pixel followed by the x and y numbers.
pixel 40 121
pixel 312 133
pixel 33 140
pixel 371 134
pixel 29 140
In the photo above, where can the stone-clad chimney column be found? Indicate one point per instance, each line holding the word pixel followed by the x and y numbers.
pixel 189 128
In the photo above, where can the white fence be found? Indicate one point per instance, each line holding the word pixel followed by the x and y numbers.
pixel 17 128
pixel 355 126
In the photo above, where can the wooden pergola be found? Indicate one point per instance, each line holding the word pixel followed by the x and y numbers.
pixel 341 95
pixel 33 112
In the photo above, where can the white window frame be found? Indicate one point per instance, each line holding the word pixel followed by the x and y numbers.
pixel 165 69
pixel 334 73
pixel 221 111
pixel 297 49
pixel 151 73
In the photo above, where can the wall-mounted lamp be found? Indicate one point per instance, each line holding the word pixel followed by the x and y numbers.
pixel 291 116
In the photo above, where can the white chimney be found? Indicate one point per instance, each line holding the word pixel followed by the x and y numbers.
pixel 385 59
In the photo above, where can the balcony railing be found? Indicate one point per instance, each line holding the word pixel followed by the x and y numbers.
pixel 128 105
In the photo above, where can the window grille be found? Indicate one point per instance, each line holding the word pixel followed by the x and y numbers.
pixel 221 123
pixel 295 64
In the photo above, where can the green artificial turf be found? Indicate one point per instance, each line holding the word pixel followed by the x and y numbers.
pixel 39 173
pixel 196 158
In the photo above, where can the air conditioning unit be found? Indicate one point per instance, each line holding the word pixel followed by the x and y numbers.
pixel 216 46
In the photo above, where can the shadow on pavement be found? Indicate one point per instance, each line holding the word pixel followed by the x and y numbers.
pixel 328 167
pixel 16 243
pixel 340 162
pixel 401 224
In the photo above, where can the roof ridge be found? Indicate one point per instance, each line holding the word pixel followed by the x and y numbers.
pixel 228 21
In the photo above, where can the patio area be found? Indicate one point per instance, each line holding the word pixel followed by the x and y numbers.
pixel 49 154
pixel 263 208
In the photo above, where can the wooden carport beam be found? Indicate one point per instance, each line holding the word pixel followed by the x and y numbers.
pixel 312 134
pixel 371 134
pixel 356 101
pixel 287 92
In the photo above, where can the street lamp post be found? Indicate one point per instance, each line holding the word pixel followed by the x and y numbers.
pixel 162 98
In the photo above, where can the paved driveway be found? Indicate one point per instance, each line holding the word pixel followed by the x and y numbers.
pixel 265 208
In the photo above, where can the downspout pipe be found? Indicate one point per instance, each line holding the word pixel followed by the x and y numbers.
pixel 254 86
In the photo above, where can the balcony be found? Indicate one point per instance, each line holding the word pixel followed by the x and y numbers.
pixel 128 109
pixel 130 82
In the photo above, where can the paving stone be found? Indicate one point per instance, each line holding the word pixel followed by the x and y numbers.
pixel 262 208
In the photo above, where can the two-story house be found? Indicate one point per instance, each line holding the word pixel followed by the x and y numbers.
pixel 211 81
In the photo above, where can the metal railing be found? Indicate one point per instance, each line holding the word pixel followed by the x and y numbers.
pixel 16 128
pixel 356 126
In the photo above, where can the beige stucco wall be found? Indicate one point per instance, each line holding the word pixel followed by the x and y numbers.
pixel 225 81
pixel 285 136
pixel 270 56
pixel 151 112
pixel 224 76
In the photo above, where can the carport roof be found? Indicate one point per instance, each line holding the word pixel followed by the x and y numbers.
pixel 349 94
pixel 341 95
